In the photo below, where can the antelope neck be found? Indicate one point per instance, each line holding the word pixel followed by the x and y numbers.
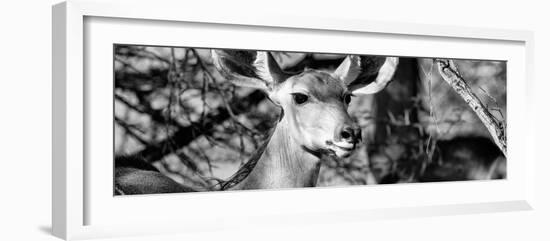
pixel 283 164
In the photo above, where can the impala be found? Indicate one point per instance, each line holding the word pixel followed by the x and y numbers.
pixel 313 120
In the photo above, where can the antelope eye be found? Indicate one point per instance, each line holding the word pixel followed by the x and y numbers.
pixel 299 98
pixel 347 98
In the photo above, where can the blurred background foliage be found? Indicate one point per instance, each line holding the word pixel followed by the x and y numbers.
pixel 174 110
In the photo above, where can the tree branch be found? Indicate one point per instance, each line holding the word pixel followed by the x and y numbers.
pixel 450 74
pixel 185 135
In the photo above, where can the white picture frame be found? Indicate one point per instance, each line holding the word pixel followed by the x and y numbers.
pixel 77 195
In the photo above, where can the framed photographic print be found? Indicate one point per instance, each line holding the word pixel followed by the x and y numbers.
pixel 210 121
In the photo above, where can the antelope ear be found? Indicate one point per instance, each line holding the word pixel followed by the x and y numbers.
pixel 366 74
pixel 384 76
pixel 349 69
pixel 268 69
pixel 256 69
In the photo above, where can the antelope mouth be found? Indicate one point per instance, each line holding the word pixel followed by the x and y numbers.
pixel 341 149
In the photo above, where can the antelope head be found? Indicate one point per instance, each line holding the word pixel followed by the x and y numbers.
pixel 314 102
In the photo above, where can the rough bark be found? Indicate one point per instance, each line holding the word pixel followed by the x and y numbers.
pixel 496 128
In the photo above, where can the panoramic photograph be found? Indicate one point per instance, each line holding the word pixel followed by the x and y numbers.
pixel 196 120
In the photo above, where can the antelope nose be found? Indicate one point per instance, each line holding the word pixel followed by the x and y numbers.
pixel 350 134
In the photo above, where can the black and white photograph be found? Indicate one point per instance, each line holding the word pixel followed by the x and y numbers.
pixel 281 120
pixel 197 119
